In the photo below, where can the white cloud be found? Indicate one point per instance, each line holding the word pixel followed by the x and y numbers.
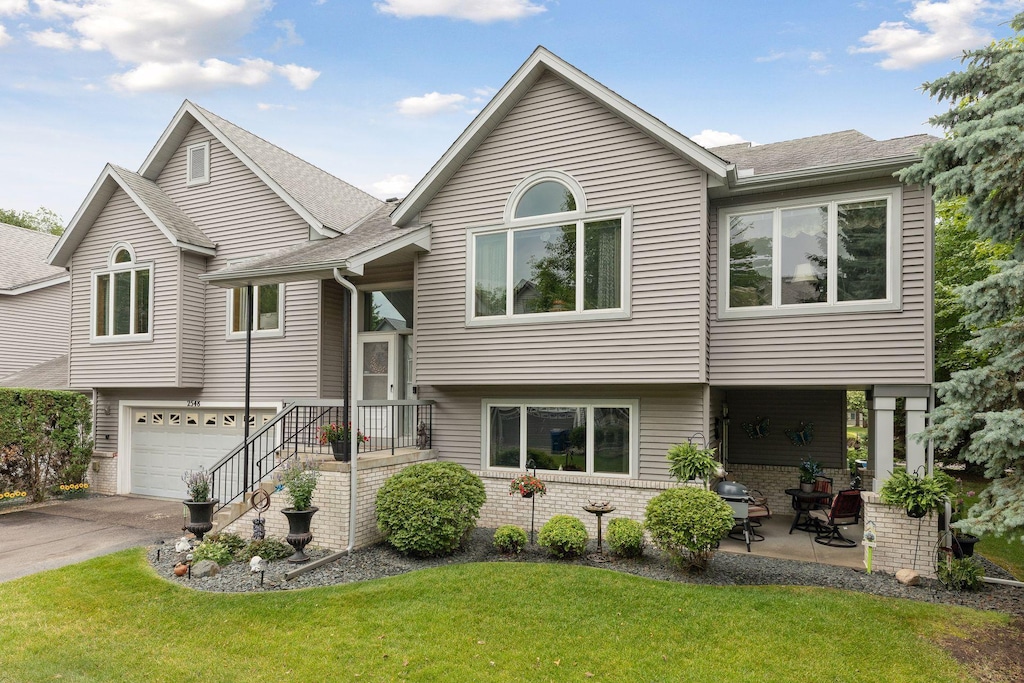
pixel 949 30
pixel 13 7
pixel 430 104
pixel 4 36
pixel 266 106
pixel 393 186
pixel 483 94
pixel 171 44
pixel 716 138
pixel 290 37
pixel 480 11
pixel 772 56
pixel 52 39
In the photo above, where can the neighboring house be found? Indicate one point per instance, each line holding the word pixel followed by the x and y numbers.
pixel 563 294
pixel 34 307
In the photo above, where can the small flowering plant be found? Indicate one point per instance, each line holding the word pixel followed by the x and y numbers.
pixel 336 432
pixel 526 484
pixel 197 484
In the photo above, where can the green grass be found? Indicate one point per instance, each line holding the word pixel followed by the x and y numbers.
pixel 113 619
pixel 1007 552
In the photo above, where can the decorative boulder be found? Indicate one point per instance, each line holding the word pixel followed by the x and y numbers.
pixel 204 568
pixel 908 577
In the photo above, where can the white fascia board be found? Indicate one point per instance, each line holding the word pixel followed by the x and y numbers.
pixel 524 77
pixel 60 255
pixel 175 133
pixel 14 291
pixel 419 237
pixel 817 175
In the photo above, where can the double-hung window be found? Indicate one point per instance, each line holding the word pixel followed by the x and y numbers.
pixel 596 438
pixel 837 253
pixel 551 259
pixel 267 311
pixel 121 297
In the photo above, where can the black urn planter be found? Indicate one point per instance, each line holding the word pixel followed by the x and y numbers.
pixel 963 545
pixel 200 517
pixel 342 450
pixel 299 535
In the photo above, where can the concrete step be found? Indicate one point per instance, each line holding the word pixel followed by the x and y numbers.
pixel 231 512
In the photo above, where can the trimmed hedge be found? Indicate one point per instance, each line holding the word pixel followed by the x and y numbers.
pixel 564 536
pixel 44 440
pixel 509 539
pixel 687 523
pixel 625 537
pixel 427 508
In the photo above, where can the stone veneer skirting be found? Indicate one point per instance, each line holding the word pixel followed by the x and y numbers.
pixel 330 523
pixel 901 542
pixel 102 473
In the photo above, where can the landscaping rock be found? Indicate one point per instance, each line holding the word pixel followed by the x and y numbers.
pixel 908 577
pixel 205 568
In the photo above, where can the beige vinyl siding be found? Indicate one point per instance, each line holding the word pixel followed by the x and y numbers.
pixel 835 348
pixel 556 127
pixel 193 319
pixel 118 363
pixel 668 415
pixel 785 410
pixel 244 218
pixel 332 353
pixel 34 327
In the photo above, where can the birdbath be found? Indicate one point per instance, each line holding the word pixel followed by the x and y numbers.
pixel 599 509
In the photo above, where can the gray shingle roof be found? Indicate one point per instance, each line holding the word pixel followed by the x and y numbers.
pixel 831 149
pixel 173 218
pixel 23 255
pixel 330 200
pixel 52 375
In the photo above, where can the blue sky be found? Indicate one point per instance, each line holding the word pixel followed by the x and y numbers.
pixel 374 91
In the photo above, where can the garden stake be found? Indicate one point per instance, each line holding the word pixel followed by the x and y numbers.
pixel 533 500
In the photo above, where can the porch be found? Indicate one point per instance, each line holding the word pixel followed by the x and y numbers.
pixel 778 543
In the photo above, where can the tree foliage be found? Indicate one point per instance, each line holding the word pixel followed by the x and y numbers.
pixel 42 220
pixel 980 159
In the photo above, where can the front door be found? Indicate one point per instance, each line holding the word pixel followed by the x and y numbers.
pixel 384 358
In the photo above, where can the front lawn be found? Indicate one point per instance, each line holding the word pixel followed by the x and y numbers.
pixel 113 619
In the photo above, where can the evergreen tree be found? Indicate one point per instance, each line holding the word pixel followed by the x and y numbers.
pixel 982 159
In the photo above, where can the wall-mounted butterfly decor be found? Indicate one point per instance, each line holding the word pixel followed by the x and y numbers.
pixel 802 435
pixel 758 429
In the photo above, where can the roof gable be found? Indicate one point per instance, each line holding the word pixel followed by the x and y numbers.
pixel 327 203
pixel 158 207
pixel 539 62
pixel 23 265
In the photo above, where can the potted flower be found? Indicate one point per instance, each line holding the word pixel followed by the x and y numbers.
pixel 200 505
pixel 917 494
pixel 299 481
pixel 526 485
pixel 809 471
pixel 963 542
pixel 339 438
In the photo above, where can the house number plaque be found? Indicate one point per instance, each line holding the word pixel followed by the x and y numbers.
pixel 192 403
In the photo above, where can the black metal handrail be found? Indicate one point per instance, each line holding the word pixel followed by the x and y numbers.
pixel 386 425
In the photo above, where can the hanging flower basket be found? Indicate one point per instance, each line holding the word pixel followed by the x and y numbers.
pixel 526 485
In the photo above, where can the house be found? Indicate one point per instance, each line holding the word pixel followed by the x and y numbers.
pixel 630 326
pixel 34 310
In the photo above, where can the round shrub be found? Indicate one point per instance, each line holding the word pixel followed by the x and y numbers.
pixel 233 542
pixel 426 509
pixel 211 550
pixel 563 536
pixel 687 523
pixel 625 537
pixel 509 539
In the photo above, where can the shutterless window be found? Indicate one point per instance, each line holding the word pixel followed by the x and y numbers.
pixel 266 309
pixel 121 298
pixel 594 439
pixel 816 254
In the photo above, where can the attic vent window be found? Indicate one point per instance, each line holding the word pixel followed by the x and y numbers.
pixel 198 162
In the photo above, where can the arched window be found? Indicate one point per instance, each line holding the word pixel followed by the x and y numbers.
pixel 122 295
pixel 547 196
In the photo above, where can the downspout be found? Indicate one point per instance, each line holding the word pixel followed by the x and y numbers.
pixel 354 431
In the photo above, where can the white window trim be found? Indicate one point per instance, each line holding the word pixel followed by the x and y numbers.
pixel 191 180
pixel 535 179
pixel 111 269
pixel 256 334
pixel 634 434
pixel 892 302
pixel 625 216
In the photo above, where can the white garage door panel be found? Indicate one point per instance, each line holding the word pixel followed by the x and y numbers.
pixel 166 442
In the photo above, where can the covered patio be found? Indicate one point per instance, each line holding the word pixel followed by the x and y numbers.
pixel 780 544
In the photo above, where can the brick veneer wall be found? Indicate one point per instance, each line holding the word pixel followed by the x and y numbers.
pixel 102 473
pixel 330 524
pixel 567 494
pixel 773 480
pixel 901 542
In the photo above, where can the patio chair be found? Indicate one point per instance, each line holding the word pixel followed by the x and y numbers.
pixel 845 511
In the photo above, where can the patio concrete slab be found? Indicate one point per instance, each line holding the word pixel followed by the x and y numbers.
pixel 799 545
pixel 65 532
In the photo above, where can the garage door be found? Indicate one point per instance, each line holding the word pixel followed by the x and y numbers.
pixel 165 442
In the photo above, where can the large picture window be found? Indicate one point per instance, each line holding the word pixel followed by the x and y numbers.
pixel 837 253
pixel 121 297
pixel 592 438
pixel 552 259
pixel 266 306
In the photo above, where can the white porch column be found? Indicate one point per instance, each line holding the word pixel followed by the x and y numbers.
pixel 916 409
pixel 882 428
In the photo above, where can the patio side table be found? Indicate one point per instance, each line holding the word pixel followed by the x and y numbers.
pixel 803 503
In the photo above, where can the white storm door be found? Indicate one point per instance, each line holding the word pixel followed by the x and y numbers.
pixel 377 382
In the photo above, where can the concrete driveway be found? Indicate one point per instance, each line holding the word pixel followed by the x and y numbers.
pixel 70 531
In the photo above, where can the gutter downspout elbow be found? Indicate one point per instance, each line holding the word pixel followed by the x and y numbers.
pixel 354 431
